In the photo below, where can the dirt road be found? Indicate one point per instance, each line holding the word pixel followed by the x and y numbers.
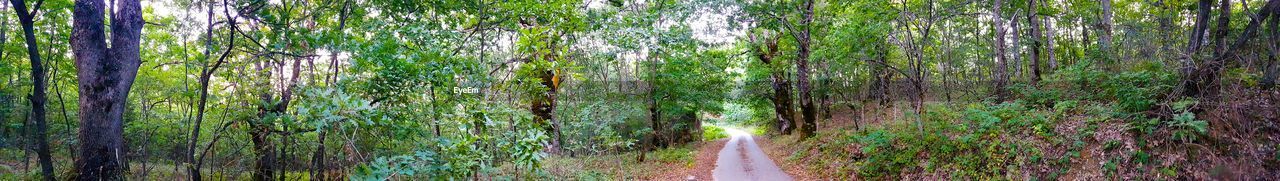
pixel 742 159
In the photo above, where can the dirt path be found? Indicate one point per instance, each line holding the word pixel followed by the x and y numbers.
pixel 742 159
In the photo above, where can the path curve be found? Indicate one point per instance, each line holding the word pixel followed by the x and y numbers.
pixel 742 159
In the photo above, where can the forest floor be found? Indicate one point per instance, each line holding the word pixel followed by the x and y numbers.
pixel 694 160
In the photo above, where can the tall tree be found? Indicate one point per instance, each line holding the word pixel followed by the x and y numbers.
pixel 766 51
pixel 1224 26
pixel 1033 18
pixel 1104 38
pixel 1272 69
pixel 802 34
pixel 39 98
pixel 1203 8
pixel 206 73
pixel 1001 75
pixel 1050 38
pixel 105 75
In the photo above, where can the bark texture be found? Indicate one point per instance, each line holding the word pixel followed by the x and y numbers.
pixel 105 76
pixel 807 109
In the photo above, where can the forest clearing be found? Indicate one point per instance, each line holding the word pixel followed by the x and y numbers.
pixel 639 90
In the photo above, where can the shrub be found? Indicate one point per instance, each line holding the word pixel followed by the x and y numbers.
pixel 711 132
pixel 1186 127
pixel 1137 91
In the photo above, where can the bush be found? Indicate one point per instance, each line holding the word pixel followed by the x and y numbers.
pixel 711 132
pixel 970 144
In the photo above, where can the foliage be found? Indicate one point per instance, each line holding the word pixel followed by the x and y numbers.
pixel 453 89
pixel 712 133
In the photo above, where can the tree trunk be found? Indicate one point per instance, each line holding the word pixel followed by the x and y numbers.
pixel 1224 26
pixel 781 99
pixel 264 166
pixel 1104 38
pixel 1272 70
pixel 782 102
pixel 655 118
pixel 1015 26
pixel 317 159
pixel 1034 20
pixel 808 126
pixel 205 75
pixel 105 77
pixel 39 98
pixel 543 109
pixel 1050 41
pixel 1001 77
pixel 1193 46
pixel 1202 82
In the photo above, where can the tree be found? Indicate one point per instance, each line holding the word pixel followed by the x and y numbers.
pixel 766 51
pixel 206 73
pixel 1001 76
pixel 1203 79
pixel 801 32
pixel 1033 19
pixel 1104 38
pixel 106 75
pixel 1203 8
pixel 1224 26
pixel 38 97
pixel 1051 39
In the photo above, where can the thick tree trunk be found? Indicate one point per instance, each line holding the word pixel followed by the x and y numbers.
pixel 782 102
pixel 39 98
pixel 782 108
pixel 807 128
pixel 543 109
pixel 1001 76
pixel 105 76
pixel 260 131
pixel 264 166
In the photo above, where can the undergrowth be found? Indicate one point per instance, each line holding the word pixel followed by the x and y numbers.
pixel 1042 134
